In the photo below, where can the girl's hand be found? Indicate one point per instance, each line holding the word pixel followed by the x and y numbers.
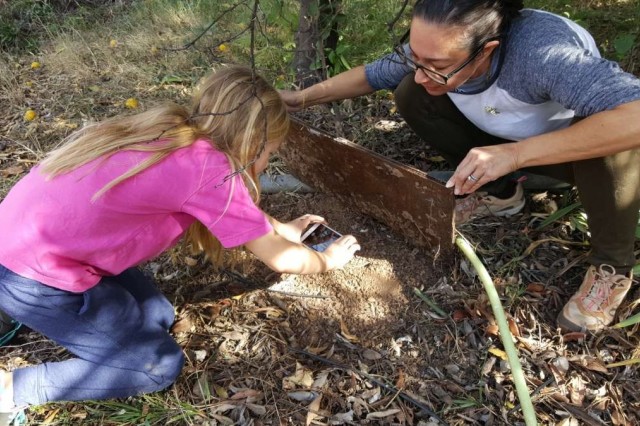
pixel 292 231
pixel 483 165
pixel 341 251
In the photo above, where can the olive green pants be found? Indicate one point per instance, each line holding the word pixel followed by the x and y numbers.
pixel 609 187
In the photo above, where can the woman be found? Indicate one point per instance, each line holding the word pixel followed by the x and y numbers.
pixel 496 88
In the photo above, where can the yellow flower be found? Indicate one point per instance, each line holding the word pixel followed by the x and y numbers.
pixel 280 77
pixel 30 115
pixel 223 48
pixel 113 43
pixel 35 65
pixel 29 83
pixel 131 103
pixel 154 50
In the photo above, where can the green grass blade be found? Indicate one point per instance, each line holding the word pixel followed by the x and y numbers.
pixel 629 321
pixel 558 214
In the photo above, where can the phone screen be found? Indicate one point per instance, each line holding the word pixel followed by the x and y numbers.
pixel 319 237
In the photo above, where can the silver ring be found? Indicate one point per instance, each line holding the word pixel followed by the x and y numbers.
pixel 472 178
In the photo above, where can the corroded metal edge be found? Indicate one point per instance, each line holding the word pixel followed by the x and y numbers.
pixel 400 196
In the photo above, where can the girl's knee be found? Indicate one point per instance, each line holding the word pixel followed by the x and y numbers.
pixel 166 367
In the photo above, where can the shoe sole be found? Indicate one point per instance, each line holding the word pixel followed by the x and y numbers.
pixel 567 325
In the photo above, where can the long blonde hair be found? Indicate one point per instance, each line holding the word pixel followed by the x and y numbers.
pixel 235 109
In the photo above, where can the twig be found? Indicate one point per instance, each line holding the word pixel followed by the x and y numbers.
pixel 287 293
pixel 395 19
pixel 430 302
pixel 206 30
pixel 537 390
pixel 389 388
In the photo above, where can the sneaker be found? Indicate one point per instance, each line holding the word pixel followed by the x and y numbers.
pixel 481 204
pixel 9 413
pixel 594 306
pixel 16 417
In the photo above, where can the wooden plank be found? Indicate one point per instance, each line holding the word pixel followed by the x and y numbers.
pixel 402 197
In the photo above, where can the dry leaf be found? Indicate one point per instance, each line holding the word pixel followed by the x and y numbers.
pixel 559 367
pixel 577 390
pixel 224 421
pixel 222 407
pixel 51 416
pixel 590 363
pixel 459 315
pixel 258 410
pixel 401 381
pixel 513 327
pixel 371 355
pixel 301 378
pixel 270 312
pixel 321 381
pixel 183 325
pixel 575 336
pixel 499 353
pixel 569 421
pixel 303 396
pixel 382 414
pixel 313 408
pixel 345 332
pixel 536 288
pixel 12 171
pixel 488 366
pixel 372 395
pixel 617 417
pixel 341 418
pixel 492 330
pixel 220 391
pixel 248 394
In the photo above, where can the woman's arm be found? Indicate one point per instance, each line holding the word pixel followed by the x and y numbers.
pixel 602 134
pixel 348 84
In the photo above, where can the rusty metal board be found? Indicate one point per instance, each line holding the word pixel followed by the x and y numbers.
pixel 402 197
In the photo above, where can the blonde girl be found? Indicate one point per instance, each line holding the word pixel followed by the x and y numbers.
pixel 119 193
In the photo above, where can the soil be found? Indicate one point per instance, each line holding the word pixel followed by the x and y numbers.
pixel 369 297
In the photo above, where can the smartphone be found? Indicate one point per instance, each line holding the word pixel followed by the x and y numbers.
pixel 319 236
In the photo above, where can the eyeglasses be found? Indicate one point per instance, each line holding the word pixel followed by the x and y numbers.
pixel 433 74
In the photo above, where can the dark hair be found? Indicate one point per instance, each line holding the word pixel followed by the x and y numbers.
pixel 482 19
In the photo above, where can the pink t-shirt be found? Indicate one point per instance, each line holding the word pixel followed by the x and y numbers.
pixel 52 232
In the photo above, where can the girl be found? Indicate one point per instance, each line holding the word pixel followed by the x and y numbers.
pixel 119 193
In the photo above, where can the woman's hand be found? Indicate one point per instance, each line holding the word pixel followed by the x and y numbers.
pixel 483 165
pixel 293 99
pixel 292 231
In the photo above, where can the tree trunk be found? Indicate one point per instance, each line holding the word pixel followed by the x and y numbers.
pixel 308 44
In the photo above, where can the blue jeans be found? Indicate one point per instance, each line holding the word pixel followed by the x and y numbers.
pixel 118 331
